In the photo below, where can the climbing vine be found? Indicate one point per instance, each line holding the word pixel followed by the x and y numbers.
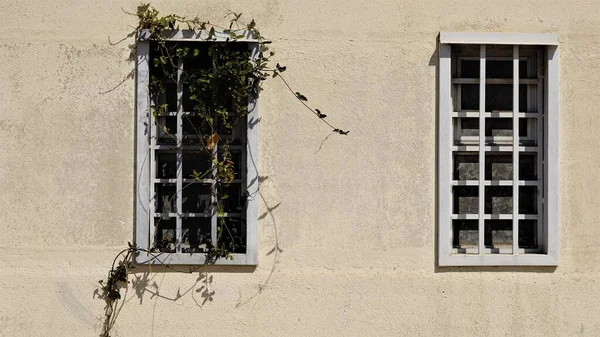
pixel 220 81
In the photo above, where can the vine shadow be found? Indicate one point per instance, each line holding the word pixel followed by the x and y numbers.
pixel 276 249
pixel 131 58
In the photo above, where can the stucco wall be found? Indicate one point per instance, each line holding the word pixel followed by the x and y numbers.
pixel 355 221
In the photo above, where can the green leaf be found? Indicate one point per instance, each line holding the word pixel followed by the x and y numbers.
pixel 196 52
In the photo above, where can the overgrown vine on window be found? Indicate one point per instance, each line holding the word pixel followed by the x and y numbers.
pixel 218 92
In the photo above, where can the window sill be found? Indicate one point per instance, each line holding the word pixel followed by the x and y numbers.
pixel 458 260
pixel 194 259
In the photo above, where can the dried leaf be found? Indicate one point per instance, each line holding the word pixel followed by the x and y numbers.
pixel 212 141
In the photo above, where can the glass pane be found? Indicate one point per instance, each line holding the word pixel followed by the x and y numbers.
pixel 199 161
pixel 195 235
pixel 527 199
pixel 229 129
pixel 469 126
pixel 466 131
pixel 164 235
pixel 523 124
pixel 523 99
pixel 469 68
pixel 469 96
pixel 498 97
pixel 523 69
pixel 231 196
pixel 166 165
pixel 527 131
pixel 236 158
pixel 194 129
pixel 499 166
pixel 165 198
pixel 465 63
pixel 196 58
pixel 465 235
pixel 231 234
pixel 498 236
pixel 466 200
pixel 171 96
pixel 193 66
pixel 499 129
pixel 196 198
pixel 498 200
pixel 527 166
pixel 529 65
pixel 498 68
pixel 157 69
pixel 499 51
pixel 504 68
pixel 466 166
pixel 527 234
pixel 166 129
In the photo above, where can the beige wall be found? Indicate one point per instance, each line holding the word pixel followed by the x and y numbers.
pixel 355 222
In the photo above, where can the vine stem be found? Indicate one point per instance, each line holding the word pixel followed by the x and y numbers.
pixel 306 105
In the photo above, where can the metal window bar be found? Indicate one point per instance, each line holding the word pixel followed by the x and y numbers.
pixel 515 202
pixel 147 177
pixel 153 180
pixel 531 107
pixel 481 223
pixel 533 133
pixel 179 165
pixel 540 145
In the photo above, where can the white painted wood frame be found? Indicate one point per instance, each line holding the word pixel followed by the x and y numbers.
pixel 146 133
pixel 545 132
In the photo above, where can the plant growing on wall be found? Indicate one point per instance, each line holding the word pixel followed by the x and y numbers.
pixel 218 92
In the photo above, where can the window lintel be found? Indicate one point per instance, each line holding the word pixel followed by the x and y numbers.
pixel 202 35
pixel 541 39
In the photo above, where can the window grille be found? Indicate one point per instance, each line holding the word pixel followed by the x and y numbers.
pixel 177 218
pixel 498 107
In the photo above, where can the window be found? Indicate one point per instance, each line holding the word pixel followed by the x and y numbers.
pixel 177 214
pixel 498 149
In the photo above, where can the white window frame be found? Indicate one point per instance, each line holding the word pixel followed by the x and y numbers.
pixel 549 212
pixel 144 178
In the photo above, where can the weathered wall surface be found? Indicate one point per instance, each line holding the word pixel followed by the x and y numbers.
pixel 356 220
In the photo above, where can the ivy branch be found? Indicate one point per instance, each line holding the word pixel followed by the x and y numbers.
pixel 232 75
pixel 226 85
pixel 150 19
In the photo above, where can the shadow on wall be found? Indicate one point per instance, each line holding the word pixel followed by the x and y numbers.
pixel 144 279
pixel 132 58
pixel 201 292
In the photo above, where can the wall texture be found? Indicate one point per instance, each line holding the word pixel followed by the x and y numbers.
pixel 355 221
